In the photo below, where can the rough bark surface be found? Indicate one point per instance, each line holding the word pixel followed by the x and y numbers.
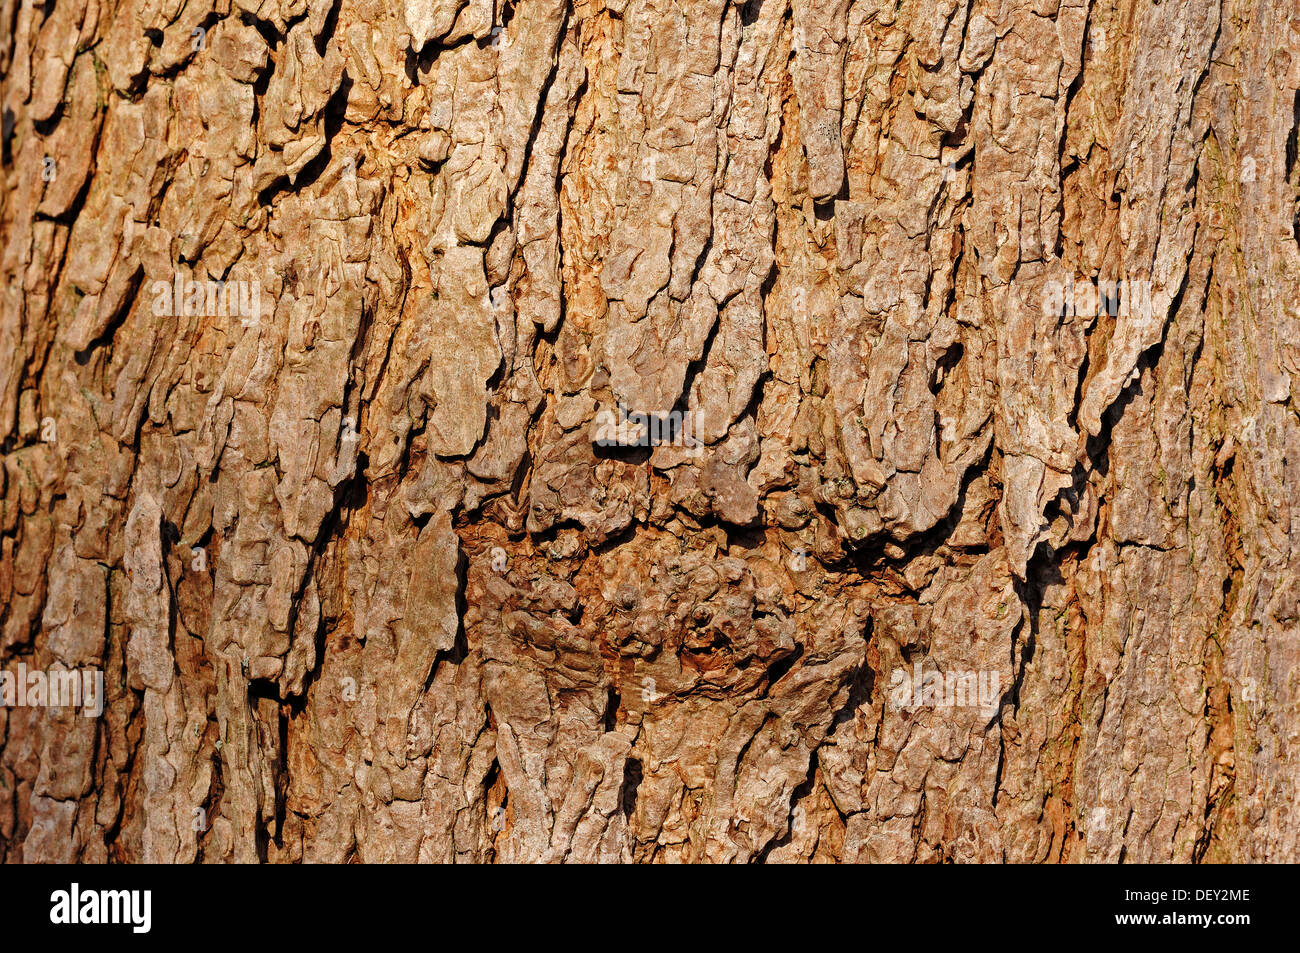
pixel 363 580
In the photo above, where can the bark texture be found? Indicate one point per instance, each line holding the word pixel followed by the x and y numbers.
pixel 365 583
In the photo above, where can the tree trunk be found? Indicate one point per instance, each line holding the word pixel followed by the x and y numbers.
pixel 640 431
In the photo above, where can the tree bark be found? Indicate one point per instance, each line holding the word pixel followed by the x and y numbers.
pixel 634 431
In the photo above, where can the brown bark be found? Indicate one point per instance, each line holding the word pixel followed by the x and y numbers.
pixel 367 580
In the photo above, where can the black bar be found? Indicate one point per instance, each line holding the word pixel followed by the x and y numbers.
pixel 385 904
